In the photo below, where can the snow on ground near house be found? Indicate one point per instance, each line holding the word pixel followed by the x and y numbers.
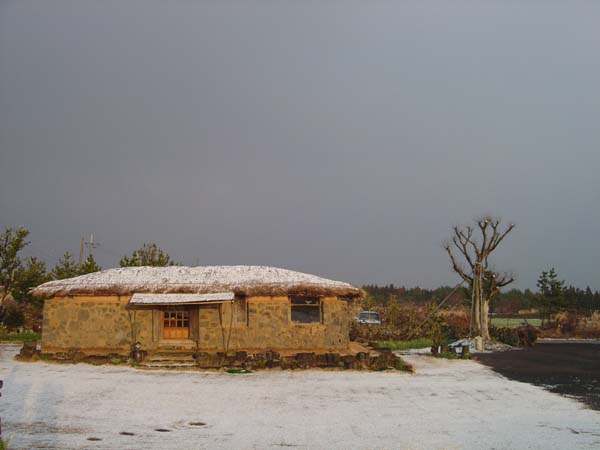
pixel 446 405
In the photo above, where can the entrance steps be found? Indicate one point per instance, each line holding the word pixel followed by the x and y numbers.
pixel 169 360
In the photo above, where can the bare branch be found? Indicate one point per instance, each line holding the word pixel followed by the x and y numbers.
pixel 457 267
pixel 462 248
pixel 465 237
pixel 504 279
pixel 501 236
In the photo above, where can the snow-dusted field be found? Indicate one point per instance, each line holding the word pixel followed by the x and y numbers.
pixel 446 405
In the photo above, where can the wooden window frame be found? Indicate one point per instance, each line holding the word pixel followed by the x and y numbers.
pixel 175 317
pixel 318 304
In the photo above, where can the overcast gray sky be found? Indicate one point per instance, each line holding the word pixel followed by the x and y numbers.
pixel 337 138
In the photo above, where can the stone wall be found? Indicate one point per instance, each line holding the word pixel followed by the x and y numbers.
pixel 269 326
pixel 93 324
pixel 103 324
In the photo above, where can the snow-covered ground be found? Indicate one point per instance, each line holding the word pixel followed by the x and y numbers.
pixel 445 405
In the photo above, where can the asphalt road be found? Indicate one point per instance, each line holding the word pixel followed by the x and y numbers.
pixel 570 369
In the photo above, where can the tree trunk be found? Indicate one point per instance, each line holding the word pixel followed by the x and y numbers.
pixel 485 325
pixel 477 306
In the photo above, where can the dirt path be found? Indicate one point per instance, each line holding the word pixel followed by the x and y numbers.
pixel 61 406
pixel 571 369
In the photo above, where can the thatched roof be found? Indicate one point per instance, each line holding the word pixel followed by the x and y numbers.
pixel 242 280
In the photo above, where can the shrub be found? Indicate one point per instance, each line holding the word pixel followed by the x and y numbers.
pixel 509 336
pixel 27 336
pixel 13 317
pixel 455 325
pixel 4 443
pixel 517 337
pixel 527 335
pixel 405 321
pixel 567 323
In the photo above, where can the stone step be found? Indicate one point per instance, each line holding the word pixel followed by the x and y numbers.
pixel 170 357
pixel 174 344
pixel 168 364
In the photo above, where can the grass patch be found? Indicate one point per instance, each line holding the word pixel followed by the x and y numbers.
pixel 406 345
pixel 28 336
pixel 515 322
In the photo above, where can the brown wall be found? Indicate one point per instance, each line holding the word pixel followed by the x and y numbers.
pixel 96 324
pixel 269 326
pixel 92 323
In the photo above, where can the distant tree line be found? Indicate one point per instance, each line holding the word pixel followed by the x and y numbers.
pixel 552 296
pixel 383 295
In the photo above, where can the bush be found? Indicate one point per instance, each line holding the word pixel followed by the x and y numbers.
pixel 27 336
pixel 4 443
pixel 517 337
pixel 567 323
pixel 455 325
pixel 408 321
pixel 527 335
pixel 13 317
pixel 508 336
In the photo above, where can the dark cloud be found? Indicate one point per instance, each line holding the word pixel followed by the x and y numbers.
pixel 339 138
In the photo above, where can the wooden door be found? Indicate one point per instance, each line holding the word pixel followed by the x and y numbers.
pixel 176 323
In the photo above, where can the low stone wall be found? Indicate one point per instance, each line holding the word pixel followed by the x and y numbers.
pixel 383 360
pixel 268 360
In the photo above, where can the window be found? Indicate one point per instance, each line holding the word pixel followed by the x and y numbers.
pixel 305 309
pixel 176 323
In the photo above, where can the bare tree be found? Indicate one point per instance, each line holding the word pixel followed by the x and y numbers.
pixel 469 250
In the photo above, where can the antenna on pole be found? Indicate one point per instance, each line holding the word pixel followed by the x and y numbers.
pixel 91 245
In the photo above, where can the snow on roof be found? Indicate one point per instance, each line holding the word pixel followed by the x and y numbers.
pixel 162 299
pixel 244 280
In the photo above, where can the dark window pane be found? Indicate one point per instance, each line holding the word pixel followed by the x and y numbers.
pixel 306 314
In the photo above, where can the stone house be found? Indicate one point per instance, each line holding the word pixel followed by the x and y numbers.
pixel 210 309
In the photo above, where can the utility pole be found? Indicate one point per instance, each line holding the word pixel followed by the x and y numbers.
pixel 91 245
pixel 81 244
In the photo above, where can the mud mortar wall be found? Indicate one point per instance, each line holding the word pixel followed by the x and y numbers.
pixel 104 324
pixel 94 324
